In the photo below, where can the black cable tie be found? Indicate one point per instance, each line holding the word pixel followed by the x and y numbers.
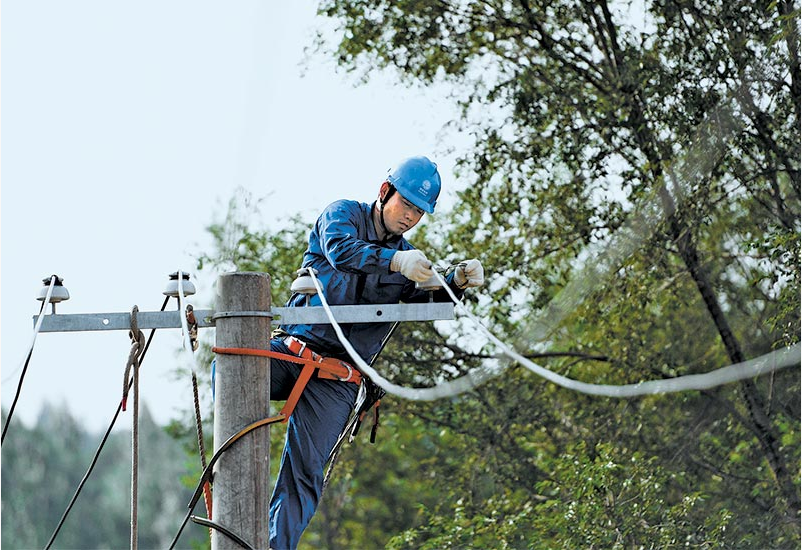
pixel 223 529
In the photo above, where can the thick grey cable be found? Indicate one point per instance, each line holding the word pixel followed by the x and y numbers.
pixel 770 362
pixel 446 389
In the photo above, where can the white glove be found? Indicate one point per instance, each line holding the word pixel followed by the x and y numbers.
pixel 469 273
pixel 413 264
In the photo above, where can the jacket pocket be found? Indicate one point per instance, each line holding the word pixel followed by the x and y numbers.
pixel 384 289
pixel 392 279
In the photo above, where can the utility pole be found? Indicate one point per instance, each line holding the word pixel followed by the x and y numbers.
pixel 241 499
pixel 243 319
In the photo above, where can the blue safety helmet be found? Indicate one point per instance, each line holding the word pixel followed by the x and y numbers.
pixel 418 181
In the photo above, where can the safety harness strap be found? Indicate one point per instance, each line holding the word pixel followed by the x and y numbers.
pixel 297 390
pixel 330 369
pixel 327 368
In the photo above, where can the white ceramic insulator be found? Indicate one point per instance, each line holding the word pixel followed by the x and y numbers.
pixel 59 294
pixel 303 285
pixel 172 288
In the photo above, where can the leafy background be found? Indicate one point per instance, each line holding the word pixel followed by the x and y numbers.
pixel 580 113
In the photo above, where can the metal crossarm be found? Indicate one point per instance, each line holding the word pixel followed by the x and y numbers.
pixel 372 313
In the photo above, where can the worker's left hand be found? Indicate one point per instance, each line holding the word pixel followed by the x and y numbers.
pixel 469 273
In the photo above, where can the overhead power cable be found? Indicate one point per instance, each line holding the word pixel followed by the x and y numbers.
pixel 36 329
pixel 770 362
pixel 707 145
pixel 100 446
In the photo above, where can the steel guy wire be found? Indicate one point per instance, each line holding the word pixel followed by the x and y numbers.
pixel 36 330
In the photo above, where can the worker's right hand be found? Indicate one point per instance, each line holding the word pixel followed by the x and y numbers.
pixel 413 264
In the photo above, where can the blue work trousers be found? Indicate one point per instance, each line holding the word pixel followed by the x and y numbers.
pixel 312 432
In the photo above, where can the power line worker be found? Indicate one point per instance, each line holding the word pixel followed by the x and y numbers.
pixel 361 257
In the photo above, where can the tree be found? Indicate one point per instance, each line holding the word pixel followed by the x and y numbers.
pixel 43 465
pixel 582 113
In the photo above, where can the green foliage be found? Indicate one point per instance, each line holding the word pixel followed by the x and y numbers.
pixel 43 465
pixel 633 192
pixel 609 497
pixel 379 485
pixel 595 498
pixel 236 246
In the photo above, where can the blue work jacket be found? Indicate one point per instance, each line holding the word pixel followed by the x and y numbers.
pixel 353 267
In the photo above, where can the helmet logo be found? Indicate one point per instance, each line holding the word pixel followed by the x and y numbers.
pixel 424 187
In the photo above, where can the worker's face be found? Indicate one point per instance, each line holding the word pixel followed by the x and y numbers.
pixel 400 215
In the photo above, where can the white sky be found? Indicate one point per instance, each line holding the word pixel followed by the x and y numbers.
pixel 125 127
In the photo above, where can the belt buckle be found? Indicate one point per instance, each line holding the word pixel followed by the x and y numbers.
pixel 298 340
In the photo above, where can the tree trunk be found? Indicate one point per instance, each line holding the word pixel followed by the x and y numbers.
pixel 761 423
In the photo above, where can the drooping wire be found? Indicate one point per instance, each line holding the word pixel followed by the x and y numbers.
pixel 770 362
pixel 225 530
pixel 207 472
pixel 36 330
pixel 445 389
pixel 100 447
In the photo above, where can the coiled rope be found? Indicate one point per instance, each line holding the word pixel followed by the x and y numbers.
pixel 132 364
pixel 100 447
pixel 770 362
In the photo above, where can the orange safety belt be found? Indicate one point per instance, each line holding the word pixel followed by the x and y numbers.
pixel 303 379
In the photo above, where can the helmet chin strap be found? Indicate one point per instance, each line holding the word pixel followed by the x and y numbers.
pixel 387 196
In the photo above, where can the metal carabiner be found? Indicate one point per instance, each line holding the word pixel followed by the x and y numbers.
pixel 350 372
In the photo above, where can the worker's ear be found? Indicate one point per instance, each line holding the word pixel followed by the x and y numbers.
pixel 383 191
